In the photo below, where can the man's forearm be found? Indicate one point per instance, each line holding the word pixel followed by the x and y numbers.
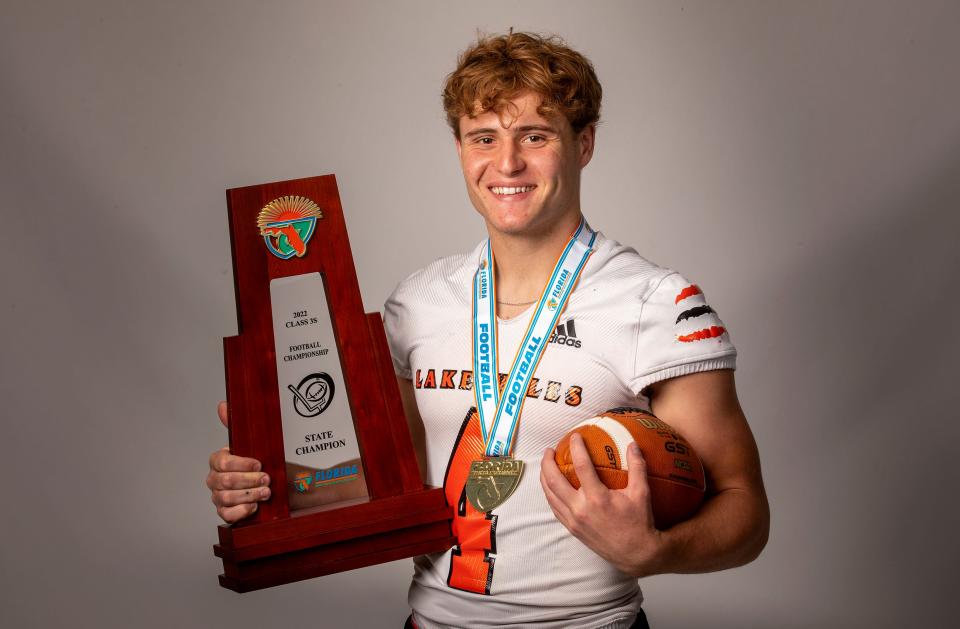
pixel 730 530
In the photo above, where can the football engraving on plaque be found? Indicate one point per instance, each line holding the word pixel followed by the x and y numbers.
pixel 312 395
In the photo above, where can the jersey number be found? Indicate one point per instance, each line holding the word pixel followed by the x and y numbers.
pixel 471 563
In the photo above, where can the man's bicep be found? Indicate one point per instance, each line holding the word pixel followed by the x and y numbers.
pixel 704 408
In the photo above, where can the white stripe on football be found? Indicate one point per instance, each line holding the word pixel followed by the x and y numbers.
pixel 618 433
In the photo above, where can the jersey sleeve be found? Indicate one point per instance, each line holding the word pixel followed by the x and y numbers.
pixel 396 311
pixel 679 334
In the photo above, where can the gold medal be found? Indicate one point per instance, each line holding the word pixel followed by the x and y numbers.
pixel 491 481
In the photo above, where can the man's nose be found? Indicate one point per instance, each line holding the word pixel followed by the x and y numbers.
pixel 510 159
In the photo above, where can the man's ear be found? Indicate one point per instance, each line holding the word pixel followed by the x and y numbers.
pixel 456 140
pixel 586 140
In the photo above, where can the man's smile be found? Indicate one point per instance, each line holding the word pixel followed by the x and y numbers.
pixel 511 192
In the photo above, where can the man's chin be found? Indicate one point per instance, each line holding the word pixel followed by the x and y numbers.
pixel 510 225
pixel 527 225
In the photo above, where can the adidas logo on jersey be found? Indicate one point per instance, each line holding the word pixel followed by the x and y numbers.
pixel 566 334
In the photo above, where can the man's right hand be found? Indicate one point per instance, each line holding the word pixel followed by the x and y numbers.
pixel 236 483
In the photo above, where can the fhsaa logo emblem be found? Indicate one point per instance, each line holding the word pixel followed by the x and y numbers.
pixel 302 481
pixel 566 334
pixel 287 224
pixel 313 395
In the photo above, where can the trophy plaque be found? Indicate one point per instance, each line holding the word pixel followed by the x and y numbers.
pixel 313 396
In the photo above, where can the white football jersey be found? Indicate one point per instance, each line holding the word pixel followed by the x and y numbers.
pixel 629 323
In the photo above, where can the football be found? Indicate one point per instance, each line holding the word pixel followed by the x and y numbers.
pixel 674 471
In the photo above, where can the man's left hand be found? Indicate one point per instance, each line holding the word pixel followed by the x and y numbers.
pixel 617 524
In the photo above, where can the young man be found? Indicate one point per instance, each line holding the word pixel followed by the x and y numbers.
pixel 581 324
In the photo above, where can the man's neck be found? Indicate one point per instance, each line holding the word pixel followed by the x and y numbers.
pixel 524 262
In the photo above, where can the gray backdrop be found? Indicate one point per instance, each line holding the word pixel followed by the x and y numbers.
pixel 799 160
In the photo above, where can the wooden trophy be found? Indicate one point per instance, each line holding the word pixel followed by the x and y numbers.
pixel 313 396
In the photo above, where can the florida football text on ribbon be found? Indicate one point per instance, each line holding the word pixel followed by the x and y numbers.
pixel 499 414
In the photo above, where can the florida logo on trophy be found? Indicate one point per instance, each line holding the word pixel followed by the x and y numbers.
pixel 302 481
pixel 287 225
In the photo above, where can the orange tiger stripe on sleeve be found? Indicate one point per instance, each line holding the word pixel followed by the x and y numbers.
pixel 708 333
pixel 689 291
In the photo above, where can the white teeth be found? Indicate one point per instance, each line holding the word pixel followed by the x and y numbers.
pixel 511 190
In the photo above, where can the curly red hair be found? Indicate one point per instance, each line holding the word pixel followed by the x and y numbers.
pixel 497 68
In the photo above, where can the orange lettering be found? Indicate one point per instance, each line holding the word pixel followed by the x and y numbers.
pixel 532 390
pixel 446 378
pixel 573 396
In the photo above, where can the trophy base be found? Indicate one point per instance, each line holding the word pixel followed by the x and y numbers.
pixel 334 538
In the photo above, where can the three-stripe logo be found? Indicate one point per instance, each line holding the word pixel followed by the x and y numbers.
pixel 566 334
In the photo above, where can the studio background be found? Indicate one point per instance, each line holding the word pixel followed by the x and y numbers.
pixel 799 160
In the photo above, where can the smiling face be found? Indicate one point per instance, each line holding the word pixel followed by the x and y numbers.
pixel 522 169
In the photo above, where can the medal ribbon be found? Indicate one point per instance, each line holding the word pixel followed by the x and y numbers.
pixel 499 415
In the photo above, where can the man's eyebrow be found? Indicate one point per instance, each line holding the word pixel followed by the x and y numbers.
pixel 536 127
pixel 483 131
pixel 527 128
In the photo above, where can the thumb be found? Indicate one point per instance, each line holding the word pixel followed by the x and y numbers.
pixel 222 413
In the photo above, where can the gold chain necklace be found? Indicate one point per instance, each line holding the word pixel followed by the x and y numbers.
pixel 519 303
